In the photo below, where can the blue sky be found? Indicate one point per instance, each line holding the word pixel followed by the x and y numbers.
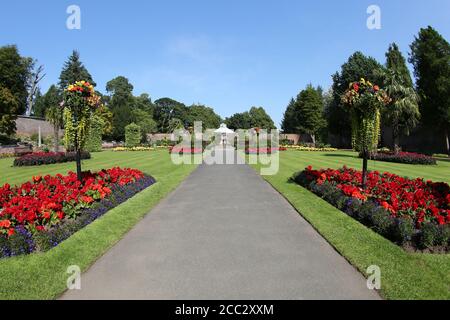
pixel 229 55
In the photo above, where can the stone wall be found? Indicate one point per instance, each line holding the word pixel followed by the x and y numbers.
pixel 28 126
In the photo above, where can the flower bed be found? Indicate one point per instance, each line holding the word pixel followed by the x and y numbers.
pixel 183 150
pixel 310 149
pixel 41 158
pixel 409 212
pixel 404 157
pixel 139 149
pixel 264 150
pixel 40 214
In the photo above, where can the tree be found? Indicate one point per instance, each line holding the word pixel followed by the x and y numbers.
pixel 8 107
pixel 14 71
pixel 144 103
pixel 175 124
pixel 430 56
pixel 144 120
pixel 106 116
pixel 34 77
pixel 288 124
pixel 166 109
pixel 121 104
pixel 80 101
pixel 239 121
pixel 260 119
pixel 54 112
pixel 358 66
pixel 206 115
pixel 73 71
pixel 309 117
pixel 39 105
pixel 403 111
pixel 94 140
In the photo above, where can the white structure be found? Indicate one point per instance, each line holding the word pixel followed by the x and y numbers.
pixel 225 134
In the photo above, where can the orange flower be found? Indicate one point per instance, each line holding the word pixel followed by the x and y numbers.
pixel 5 224
pixel 11 231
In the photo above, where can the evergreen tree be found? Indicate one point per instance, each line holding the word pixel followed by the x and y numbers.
pixel 73 71
pixel 430 56
pixel 397 63
pixel 309 112
pixel 288 124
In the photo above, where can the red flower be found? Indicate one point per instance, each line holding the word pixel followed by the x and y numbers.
pixel 356 86
pixel 11 232
pixel 376 88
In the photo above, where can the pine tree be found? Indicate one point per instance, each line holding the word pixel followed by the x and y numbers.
pixel 73 71
pixel 430 56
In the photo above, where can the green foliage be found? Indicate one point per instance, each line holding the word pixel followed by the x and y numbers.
pixel 94 141
pixel 288 124
pixel 309 112
pixel 73 71
pixel 144 120
pixel 167 109
pixel 430 56
pixel 239 121
pixel 106 115
pixel 8 107
pixel 133 135
pixel 257 117
pixel 14 71
pixel 121 103
pixel 204 114
pixel 358 66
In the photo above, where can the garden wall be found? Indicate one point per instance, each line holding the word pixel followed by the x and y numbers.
pixel 28 126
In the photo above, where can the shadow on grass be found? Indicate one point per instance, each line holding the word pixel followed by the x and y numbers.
pixel 338 155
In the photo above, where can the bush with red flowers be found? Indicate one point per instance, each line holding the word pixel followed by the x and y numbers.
pixel 41 158
pixel 408 211
pixel 264 150
pixel 185 150
pixel 403 157
pixel 41 213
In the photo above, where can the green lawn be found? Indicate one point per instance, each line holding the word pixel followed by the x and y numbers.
pixel 404 275
pixel 43 276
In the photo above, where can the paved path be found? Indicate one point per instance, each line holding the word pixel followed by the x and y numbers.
pixel 223 234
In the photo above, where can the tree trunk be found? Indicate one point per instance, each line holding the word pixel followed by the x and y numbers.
pixel 364 171
pixel 447 143
pixel 56 133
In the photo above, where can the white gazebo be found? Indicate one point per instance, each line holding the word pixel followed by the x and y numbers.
pixel 225 133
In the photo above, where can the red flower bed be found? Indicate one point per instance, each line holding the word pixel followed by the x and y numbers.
pixel 45 201
pixel 416 199
pixel 264 150
pixel 41 158
pixel 185 150
pixel 404 157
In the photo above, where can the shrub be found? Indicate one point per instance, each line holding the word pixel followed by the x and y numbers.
pixel 42 158
pixel 94 140
pixel 133 135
